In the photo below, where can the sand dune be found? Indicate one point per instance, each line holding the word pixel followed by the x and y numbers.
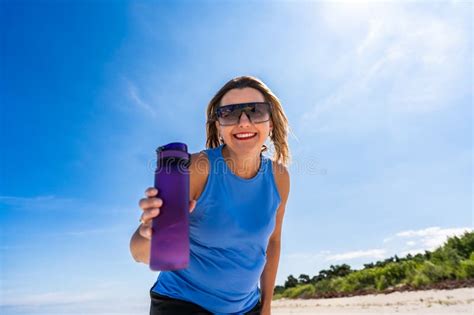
pixel 456 301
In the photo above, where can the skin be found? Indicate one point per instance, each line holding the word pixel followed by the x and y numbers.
pixel 243 158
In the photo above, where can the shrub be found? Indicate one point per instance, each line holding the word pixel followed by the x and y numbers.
pixel 324 286
pixel 363 279
pixel 453 260
pixel 466 270
pixel 394 273
pixel 419 280
pixel 338 284
pixel 301 291
pixel 411 270
pixel 381 283
pixel 278 289
pixel 277 296
pixel 449 259
pixel 463 245
pixel 432 272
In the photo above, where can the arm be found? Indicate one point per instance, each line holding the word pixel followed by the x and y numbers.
pixel 267 279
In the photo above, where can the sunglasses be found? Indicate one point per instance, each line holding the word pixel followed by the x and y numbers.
pixel 257 112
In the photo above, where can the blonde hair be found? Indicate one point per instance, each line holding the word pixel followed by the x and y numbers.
pixel 279 135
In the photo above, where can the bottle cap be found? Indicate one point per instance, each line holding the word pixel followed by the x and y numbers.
pixel 174 149
pixel 177 146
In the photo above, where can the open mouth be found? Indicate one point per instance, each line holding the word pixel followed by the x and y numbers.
pixel 245 135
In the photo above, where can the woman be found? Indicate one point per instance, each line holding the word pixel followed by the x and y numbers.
pixel 238 198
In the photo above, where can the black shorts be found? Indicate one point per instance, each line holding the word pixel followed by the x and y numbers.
pixel 165 305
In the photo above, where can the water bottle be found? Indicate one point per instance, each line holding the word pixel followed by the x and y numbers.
pixel 170 230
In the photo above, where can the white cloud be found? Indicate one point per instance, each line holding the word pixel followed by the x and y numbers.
pixel 432 237
pixel 135 97
pixel 399 59
pixel 370 253
pixel 427 239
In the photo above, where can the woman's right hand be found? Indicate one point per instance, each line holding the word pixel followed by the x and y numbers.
pixel 151 209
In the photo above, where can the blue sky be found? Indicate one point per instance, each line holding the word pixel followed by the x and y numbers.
pixel 378 95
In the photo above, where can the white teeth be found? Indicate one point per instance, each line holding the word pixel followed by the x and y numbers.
pixel 245 135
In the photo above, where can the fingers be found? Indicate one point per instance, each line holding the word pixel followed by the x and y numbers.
pixel 151 209
pixel 151 203
pixel 145 231
pixel 147 219
pixel 148 203
pixel 148 215
pixel 192 205
pixel 151 192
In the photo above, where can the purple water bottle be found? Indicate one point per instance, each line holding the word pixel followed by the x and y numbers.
pixel 170 230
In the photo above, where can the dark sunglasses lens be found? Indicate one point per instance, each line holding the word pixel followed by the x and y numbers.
pixel 257 113
pixel 260 113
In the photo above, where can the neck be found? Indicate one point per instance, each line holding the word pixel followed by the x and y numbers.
pixel 243 165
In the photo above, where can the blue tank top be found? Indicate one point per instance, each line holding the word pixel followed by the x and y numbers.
pixel 229 231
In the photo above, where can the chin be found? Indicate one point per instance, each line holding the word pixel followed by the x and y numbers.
pixel 246 146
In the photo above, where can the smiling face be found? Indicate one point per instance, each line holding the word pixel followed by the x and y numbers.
pixel 259 131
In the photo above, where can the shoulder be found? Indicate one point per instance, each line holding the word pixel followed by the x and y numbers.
pixel 199 161
pixel 198 173
pixel 282 179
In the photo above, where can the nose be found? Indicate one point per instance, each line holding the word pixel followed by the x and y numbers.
pixel 244 120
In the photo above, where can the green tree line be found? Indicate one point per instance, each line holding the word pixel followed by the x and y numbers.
pixel 454 260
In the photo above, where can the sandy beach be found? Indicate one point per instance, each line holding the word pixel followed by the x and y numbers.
pixel 456 301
